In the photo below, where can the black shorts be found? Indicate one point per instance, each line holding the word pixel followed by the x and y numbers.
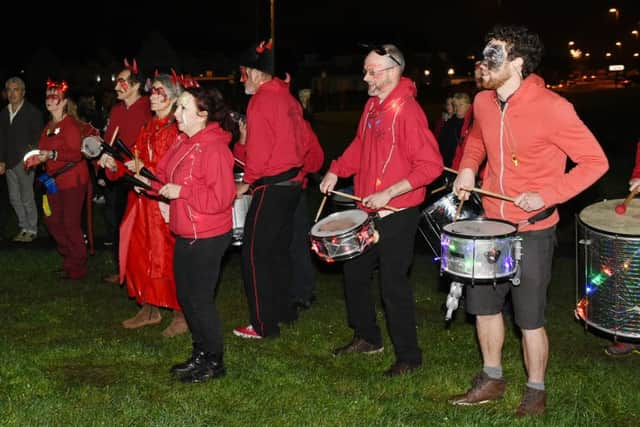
pixel 530 297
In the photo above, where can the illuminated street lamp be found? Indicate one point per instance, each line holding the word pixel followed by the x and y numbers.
pixel 619 44
pixel 451 71
pixel 587 54
pixel 608 54
pixel 427 73
pixel 634 33
pixel 615 12
pixel 571 43
pixel 636 54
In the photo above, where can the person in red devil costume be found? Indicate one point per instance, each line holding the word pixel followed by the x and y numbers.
pixel 146 243
pixel 128 116
pixel 60 153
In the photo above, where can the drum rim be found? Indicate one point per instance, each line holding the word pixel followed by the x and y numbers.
pixel 343 233
pixel 485 237
pixel 605 232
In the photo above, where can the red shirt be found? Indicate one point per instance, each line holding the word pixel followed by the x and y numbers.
pixel 277 138
pixel 540 129
pixel 65 138
pixel 128 120
pixel 393 143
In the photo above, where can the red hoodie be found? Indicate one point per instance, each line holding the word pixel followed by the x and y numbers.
pixel 526 146
pixel 393 143
pixel 203 166
pixel 129 120
pixel 636 168
pixel 277 137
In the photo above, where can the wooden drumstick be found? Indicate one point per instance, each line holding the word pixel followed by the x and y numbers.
pixel 136 160
pixel 439 189
pixel 490 194
pixel 324 199
pixel 359 199
pixel 450 170
pixel 622 207
pixel 458 211
pixel 115 133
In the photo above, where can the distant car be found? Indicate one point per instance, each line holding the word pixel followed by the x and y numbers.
pixel 631 81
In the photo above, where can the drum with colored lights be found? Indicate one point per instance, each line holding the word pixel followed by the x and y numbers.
pixel 442 212
pixel 480 250
pixel 608 268
pixel 343 235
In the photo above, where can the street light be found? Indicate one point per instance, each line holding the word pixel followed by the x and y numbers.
pixel 571 43
pixel 634 33
pixel 615 12
pixel 619 44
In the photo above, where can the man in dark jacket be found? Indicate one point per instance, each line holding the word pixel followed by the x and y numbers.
pixel 20 127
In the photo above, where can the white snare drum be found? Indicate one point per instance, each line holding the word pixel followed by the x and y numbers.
pixel 480 250
pixel 239 211
pixel 343 235
pixel 91 146
pixel 608 268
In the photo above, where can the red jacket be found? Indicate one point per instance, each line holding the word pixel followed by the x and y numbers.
pixel 128 120
pixel 526 146
pixel 277 138
pixel 65 138
pixel 393 143
pixel 203 166
pixel 636 168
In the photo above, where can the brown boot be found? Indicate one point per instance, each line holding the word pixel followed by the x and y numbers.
pixel 148 315
pixel 178 325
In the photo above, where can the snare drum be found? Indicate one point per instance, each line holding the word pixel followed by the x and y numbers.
pixel 343 235
pixel 239 211
pixel 443 212
pixel 480 250
pixel 608 268
pixel 91 147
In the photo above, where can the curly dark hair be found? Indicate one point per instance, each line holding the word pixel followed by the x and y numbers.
pixel 212 101
pixel 520 43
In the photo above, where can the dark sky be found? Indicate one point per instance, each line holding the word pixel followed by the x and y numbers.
pixel 326 26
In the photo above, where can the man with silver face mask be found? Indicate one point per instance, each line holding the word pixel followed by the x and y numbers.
pixel 525 133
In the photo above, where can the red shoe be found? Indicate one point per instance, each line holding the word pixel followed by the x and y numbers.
pixel 247 332
pixel 621 349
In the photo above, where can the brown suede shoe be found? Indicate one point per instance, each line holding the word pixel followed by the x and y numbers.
pixel 401 368
pixel 178 325
pixel 483 389
pixel 358 345
pixel 148 315
pixel 533 402
pixel 112 279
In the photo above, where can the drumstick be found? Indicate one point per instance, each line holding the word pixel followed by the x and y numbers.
pixel 490 194
pixel 115 133
pixel 450 170
pixel 136 160
pixel 622 207
pixel 238 161
pixel 324 199
pixel 439 189
pixel 458 211
pixel 359 199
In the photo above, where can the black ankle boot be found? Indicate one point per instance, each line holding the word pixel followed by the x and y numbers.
pixel 211 367
pixel 196 359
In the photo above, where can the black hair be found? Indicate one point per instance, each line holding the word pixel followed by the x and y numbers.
pixel 520 43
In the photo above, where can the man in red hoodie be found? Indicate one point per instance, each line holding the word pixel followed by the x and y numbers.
pixel 276 159
pixel 525 132
pixel 392 158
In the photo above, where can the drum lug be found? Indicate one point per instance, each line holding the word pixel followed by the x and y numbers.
pixel 517 246
pixel 515 280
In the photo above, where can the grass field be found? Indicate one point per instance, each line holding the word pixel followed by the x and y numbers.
pixel 65 360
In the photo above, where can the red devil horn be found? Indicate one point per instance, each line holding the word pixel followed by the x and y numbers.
pixel 269 45
pixel 50 83
pixel 126 63
pixel 135 66
pixel 156 72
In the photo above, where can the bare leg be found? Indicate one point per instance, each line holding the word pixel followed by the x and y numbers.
pixel 535 347
pixel 490 330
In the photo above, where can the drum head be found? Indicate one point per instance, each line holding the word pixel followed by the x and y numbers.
pixel 602 216
pixel 339 223
pixel 91 146
pixel 480 228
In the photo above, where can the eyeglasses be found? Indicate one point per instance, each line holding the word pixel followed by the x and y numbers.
pixel 382 51
pixel 373 73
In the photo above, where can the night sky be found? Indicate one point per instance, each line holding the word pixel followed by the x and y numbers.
pixel 327 26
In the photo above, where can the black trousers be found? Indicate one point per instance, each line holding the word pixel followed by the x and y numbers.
pixel 116 194
pixel 392 255
pixel 196 268
pixel 265 257
pixel 303 278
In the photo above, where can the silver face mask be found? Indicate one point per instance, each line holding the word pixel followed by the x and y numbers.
pixel 494 56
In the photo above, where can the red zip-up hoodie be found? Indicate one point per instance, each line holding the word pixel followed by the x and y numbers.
pixel 277 137
pixel 526 145
pixel 393 143
pixel 203 166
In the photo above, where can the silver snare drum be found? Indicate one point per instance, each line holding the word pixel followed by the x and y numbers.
pixel 239 211
pixel 343 235
pixel 480 250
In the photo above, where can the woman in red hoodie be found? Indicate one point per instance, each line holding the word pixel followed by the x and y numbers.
pixel 198 172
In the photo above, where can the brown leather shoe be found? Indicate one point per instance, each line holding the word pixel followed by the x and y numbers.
pixel 358 345
pixel 483 389
pixel 401 368
pixel 178 325
pixel 148 315
pixel 112 279
pixel 533 402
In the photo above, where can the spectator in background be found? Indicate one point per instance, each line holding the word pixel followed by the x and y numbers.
pixel 451 136
pixel 447 113
pixel 20 127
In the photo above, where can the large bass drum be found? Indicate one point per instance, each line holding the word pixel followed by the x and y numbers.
pixel 608 268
